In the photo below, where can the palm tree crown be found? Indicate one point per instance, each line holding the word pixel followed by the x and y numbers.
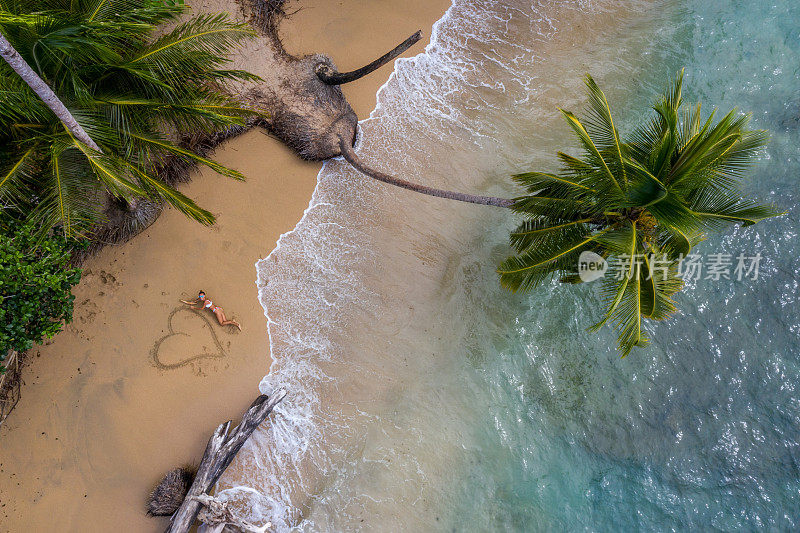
pixel 134 94
pixel 642 203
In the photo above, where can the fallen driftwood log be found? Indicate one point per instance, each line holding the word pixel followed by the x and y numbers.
pixel 220 451
pixel 216 512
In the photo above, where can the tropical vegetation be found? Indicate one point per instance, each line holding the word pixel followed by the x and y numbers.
pixel 134 92
pixel 35 283
pixel 641 203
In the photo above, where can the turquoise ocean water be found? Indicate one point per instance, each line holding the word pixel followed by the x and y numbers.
pixel 701 431
pixel 425 397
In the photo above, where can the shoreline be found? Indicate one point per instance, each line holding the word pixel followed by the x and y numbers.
pixel 107 405
pixel 369 338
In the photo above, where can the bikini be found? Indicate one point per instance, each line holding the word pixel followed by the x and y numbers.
pixel 211 306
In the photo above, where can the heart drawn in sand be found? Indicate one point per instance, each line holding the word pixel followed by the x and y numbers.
pixel 168 341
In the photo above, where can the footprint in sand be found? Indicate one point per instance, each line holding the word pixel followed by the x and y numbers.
pixel 190 338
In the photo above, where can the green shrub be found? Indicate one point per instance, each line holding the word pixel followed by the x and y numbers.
pixel 35 287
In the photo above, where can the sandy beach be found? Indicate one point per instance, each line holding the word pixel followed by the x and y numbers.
pixel 423 394
pixel 135 385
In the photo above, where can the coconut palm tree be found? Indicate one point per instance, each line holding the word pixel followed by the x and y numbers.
pixel 640 204
pixel 110 102
pixel 44 92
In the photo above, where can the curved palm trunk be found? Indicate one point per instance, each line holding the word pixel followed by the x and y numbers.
pixel 351 157
pixel 330 76
pixel 44 92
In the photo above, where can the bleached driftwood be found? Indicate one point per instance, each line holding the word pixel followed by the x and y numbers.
pixel 220 451
pixel 217 514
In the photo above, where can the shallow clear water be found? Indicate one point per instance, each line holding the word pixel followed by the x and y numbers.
pixel 424 397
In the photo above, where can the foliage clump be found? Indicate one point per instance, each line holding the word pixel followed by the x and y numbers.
pixel 36 279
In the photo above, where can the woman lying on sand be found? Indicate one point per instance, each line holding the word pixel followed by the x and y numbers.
pixel 217 310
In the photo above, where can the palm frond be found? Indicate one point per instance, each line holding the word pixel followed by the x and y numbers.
pixel 126 89
pixel 157 188
pixel 573 166
pixel 151 12
pixel 185 114
pixel 653 144
pixel 539 205
pixel 716 209
pixel 731 167
pixel 672 210
pixel 595 157
pixel 16 172
pixel 69 199
pixel 676 243
pixel 601 129
pixel 660 282
pixel 725 165
pixel 643 189
pixel 625 241
pixel 531 233
pixel 111 171
pixel 202 40
pixel 559 251
pixel 710 143
pixel 627 318
pixel 188 155
pixel 552 185
pixel 690 126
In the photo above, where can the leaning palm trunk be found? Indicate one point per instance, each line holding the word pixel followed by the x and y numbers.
pixel 50 99
pixel 331 76
pixel 351 157
pixel 44 92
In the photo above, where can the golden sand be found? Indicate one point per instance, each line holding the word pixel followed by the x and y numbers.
pixel 135 385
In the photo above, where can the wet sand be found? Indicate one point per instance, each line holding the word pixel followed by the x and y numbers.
pixel 135 385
